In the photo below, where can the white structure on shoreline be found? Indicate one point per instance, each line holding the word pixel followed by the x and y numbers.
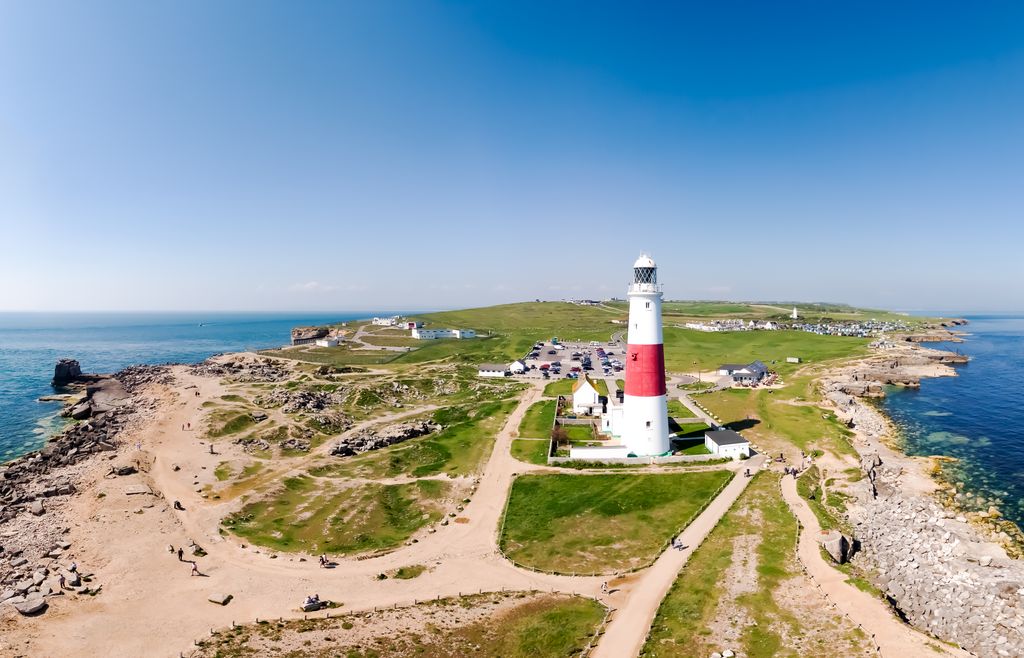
pixel 327 342
pixel 432 334
pixel 385 322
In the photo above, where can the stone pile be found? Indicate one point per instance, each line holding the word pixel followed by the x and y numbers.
pixel 26 585
pixel 300 400
pixel 263 370
pixel 134 378
pixel 366 441
pixel 944 582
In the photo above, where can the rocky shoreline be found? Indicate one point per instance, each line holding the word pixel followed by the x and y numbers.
pixel 948 571
pixel 35 488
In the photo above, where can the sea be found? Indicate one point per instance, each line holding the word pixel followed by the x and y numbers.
pixel 976 417
pixel 32 343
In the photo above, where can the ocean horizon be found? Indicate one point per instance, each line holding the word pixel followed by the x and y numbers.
pixel 32 342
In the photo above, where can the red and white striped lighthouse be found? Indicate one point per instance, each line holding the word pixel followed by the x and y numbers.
pixel 644 427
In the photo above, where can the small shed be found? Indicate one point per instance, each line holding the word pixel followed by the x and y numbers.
pixel 726 443
pixel 327 342
pixel 517 367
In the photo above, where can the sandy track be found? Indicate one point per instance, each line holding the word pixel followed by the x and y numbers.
pixel 893 637
pixel 151 606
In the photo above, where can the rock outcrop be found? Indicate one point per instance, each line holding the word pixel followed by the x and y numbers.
pixel 366 441
pixel 66 372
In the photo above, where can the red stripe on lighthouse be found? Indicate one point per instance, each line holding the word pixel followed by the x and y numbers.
pixel 645 370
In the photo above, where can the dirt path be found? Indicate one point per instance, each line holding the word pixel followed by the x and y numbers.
pixel 151 606
pixel 893 637
pixel 632 617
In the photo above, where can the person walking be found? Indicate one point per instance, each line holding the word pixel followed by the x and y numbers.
pixel 195 569
pixel 181 554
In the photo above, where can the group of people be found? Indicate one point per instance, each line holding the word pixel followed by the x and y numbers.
pixel 181 558
pixel 324 563
pixel 678 544
pixel 312 601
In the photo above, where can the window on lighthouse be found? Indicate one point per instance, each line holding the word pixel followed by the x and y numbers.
pixel 648 304
pixel 648 423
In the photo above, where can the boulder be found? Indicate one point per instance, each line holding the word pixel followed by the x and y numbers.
pixel 837 545
pixel 7 594
pixel 36 507
pixel 31 607
pixel 81 411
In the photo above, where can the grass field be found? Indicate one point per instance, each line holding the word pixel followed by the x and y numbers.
pixel 601 523
pixel 710 349
pixel 307 515
pixel 683 625
pixel 773 420
pixel 538 420
pixel 533 451
pixel 538 626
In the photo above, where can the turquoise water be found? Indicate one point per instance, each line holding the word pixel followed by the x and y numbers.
pixel 977 417
pixel 31 343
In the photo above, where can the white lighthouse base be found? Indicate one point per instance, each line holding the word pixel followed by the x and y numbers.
pixel 644 425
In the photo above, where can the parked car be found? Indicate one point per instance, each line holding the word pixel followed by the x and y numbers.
pixel 552 352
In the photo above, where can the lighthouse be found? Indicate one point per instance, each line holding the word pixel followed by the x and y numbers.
pixel 644 425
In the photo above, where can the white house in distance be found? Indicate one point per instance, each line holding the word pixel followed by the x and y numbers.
pixel 385 322
pixel 432 334
pixel 327 342
pixel 726 443
pixel 585 397
pixel 517 367
pixel 492 370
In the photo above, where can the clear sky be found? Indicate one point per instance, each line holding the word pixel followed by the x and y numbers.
pixel 370 155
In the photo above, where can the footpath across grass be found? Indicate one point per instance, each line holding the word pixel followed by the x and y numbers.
pixel 601 523
pixel 690 618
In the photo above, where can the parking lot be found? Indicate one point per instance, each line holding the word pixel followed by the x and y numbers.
pixel 571 359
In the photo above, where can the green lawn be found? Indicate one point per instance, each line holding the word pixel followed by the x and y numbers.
pixel 306 515
pixel 527 625
pixel 538 420
pixel 693 430
pixel 693 446
pixel 677 409
pixel 559 387
pixel 601 386
pixel 579 433
pixel 533 451
pixel 601 523
pixel 682 626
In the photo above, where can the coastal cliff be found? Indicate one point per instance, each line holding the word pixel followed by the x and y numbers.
pixel 949 571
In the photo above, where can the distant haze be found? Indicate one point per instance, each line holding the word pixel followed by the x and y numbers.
pixel 410 155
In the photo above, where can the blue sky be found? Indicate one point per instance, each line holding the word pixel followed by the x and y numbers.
pixel 371 155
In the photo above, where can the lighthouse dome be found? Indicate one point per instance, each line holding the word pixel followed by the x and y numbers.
pixel 644 261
